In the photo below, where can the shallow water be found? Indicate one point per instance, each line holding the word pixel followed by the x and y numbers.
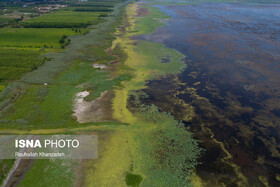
pixel 233 57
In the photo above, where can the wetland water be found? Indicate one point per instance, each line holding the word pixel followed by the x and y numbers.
pixel 233 84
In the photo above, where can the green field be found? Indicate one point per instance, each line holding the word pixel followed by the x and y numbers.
pixel 33 37
pixel 64 19
pixel 20 49
pixel 14 63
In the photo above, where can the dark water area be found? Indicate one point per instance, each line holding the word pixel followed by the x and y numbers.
pixel 232 82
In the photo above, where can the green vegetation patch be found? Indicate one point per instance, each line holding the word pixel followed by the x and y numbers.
pixel 98 54
pixel 133 179
pixel 52 105
pixel 33 37
pixel 169 150
pixel 7 21
pixel 159 58
pixel 46 173
pixel 150 23
pixel 156 60
pixel 2 87
pixel 5 166
pixel 15 63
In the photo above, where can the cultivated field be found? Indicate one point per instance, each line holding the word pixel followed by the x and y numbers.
pixel 64 19
pixel 14 63
pixel 23 41
pixel 33 37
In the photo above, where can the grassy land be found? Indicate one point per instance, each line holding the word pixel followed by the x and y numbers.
pixel 15 63
pixel 5 166
pixel 50 173
pixel 52 105
pixel 160 59
pixel 33 37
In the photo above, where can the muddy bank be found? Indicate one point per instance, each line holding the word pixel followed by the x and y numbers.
pixel 93 111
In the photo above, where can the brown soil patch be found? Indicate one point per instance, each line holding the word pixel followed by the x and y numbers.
pixel 93 111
